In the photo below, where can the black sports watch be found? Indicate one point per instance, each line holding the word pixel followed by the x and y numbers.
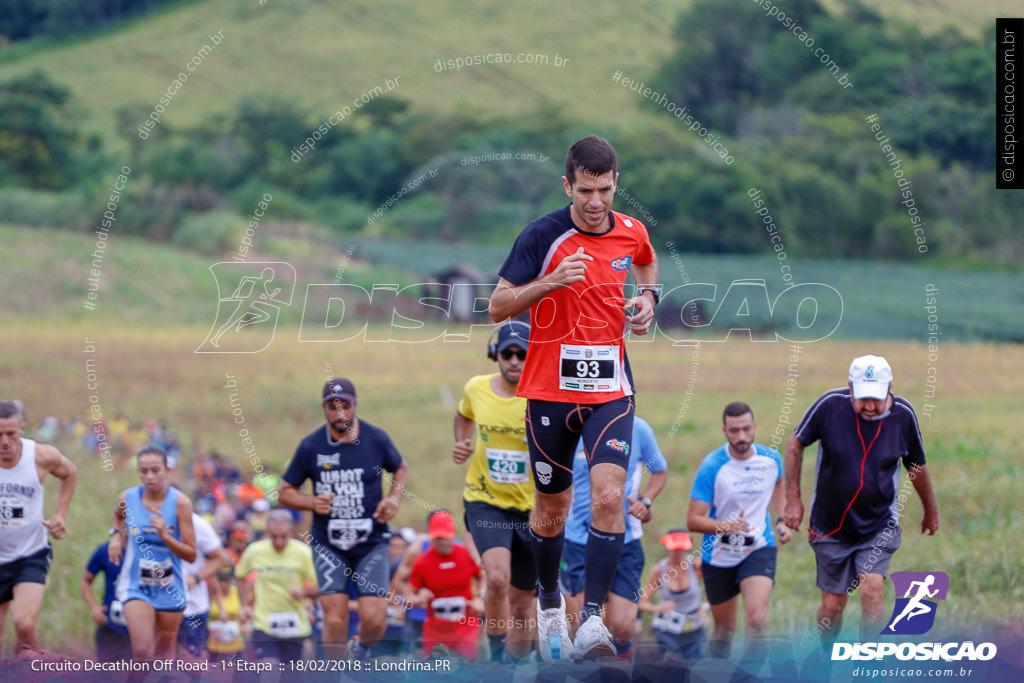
pixel 646 501
pixel 652 290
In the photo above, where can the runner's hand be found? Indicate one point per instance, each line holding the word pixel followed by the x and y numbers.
pixel 640 322
pixel 638 509
pixel 930 524
pixel 157 522
pixel 572 269
pixel 423 597
pixel 462 450
pixel 386 509
pixel 114 549
pixel 794 513
pixel 99 614
pixel 783 533
pixel 666 607
pixel 737 525
pixel 56 526
pixel 322 503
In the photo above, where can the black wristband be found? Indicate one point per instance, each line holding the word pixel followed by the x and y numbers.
pixel 652 290
pixel 778 521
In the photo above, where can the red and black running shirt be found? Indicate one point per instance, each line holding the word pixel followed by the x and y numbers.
pixel 577 346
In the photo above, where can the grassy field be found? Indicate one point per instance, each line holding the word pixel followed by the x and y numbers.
pixel 324 55
pixel 152 372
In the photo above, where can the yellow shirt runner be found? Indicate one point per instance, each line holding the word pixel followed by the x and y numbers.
pixel 499 472
pixel 276 612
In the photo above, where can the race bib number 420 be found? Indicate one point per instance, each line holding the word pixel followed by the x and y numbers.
pixel 508 467
pixel 588 368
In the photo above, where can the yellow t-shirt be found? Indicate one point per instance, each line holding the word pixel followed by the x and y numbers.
pixel 499 470
pixel 225 632
pixel 276 612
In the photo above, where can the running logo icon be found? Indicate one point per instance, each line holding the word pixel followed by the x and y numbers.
pixel 914 613
pixel 247 317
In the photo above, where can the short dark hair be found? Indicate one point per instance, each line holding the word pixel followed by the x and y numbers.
pixel 152 449
pixel 11 409
pixel 593 155
pixel 735 409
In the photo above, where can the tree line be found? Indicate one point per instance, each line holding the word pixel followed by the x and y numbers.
pixel 833 180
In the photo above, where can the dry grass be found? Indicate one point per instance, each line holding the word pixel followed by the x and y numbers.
pixel 152 372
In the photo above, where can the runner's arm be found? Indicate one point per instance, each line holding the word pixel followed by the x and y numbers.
pixel 923 485
pixel 775 505
pixel 398 481
pixel 291 497
pixel 697 519
pixel 50 460
pixel 793 512
pixel 388 506
pixel 186 547
pixel 463 428
pixel 215 561
pixel 116 546
pixel 654 486
pixel 96 611
pixel 644 604
pixel 646 276
pixel 509 301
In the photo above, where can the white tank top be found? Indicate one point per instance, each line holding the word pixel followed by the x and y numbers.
pixel 21 507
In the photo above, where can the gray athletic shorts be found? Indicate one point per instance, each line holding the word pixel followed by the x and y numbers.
pixel 366 565
pixel 839 561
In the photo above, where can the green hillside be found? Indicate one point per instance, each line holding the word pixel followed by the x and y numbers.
pixel 325 55
pixel 145 283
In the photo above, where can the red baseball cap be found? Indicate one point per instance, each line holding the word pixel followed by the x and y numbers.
pixel 676 538
pixel 442 525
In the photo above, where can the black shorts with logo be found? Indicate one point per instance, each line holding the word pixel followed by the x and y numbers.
pixel 554 429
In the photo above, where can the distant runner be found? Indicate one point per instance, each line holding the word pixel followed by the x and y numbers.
pixel 345 459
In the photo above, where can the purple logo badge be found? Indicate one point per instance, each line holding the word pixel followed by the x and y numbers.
pixel 916 602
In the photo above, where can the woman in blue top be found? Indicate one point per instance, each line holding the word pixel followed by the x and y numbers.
pixel 152 533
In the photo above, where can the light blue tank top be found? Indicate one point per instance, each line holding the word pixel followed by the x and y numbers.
pixel 149 570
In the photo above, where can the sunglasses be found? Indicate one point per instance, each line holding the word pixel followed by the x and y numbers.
pixel 508 353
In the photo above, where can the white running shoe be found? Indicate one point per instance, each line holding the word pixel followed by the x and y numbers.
pixel 593 639
pixel 553 633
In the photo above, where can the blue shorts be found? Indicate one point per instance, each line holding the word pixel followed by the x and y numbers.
pixel 627 575
pixel 554 429
pixel 367 565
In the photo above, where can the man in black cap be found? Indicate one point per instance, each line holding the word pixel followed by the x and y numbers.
pixel 345 460
pixel 499 490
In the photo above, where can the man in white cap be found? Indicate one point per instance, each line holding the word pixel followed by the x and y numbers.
pixel 863 433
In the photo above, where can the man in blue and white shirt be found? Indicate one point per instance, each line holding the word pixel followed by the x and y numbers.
pixel 730 503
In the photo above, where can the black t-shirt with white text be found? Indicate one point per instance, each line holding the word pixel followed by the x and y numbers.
pixel 352 472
